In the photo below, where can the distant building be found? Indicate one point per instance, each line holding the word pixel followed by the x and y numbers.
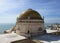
pixel 54 29
pixel 29 23
pixel 54 26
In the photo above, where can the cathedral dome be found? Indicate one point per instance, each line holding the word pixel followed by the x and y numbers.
pixel 32 14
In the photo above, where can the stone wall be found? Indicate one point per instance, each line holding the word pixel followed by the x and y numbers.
pixel 32 27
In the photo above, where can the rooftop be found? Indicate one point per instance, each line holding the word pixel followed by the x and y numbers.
pixel 7 38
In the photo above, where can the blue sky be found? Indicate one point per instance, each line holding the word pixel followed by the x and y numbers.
pixel 10 9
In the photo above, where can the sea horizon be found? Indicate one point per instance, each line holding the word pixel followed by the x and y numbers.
pixel 5 26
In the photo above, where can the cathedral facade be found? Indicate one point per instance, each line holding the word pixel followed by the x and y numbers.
pixel 29 23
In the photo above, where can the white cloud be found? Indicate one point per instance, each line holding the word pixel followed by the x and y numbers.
pixel 6 5
pixel 9 9
pixel 6 16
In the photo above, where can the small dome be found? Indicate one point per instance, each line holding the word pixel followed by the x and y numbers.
pixel 29 13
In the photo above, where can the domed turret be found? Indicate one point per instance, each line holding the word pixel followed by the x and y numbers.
pixel 29 23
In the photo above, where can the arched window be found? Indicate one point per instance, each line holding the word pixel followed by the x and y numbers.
pixel 40 29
